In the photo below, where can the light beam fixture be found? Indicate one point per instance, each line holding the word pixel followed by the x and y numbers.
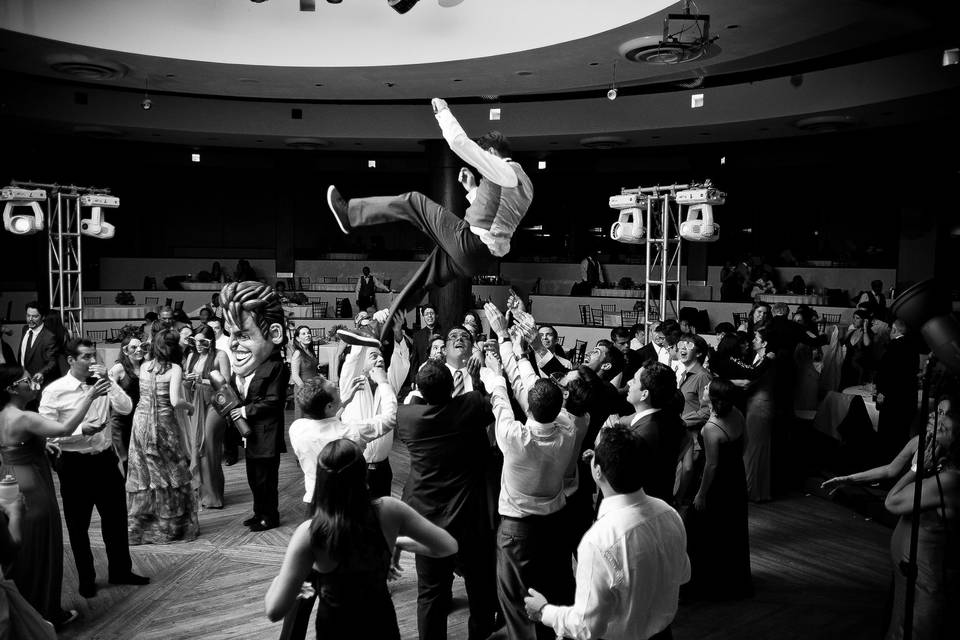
pixel 23 223
pixel 612 93
pixel 95 226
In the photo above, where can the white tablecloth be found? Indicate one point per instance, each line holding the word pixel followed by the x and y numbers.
pixel 790 299
pixel 115 311
pixel 107 354
pixel 866 392
pixel 201 286
pixel 299 310
pixel 328 356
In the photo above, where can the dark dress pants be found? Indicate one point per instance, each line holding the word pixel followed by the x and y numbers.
pixel 475 561
pixel 459 253
pixel 379 478
pixel 532 552
pixel 263 476
pixel 89 480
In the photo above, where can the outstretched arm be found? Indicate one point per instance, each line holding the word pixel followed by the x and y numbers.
pixel 491 167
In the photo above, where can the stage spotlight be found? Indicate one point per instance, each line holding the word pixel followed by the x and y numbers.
pixel 402 6
pixel 147 104
pixel 95 226
pixel 23 223
pixel 612 93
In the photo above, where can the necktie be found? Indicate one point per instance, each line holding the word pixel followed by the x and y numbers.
pixel 457 382
pixel 29 342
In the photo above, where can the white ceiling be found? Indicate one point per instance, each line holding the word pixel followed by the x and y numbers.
pixel 355 33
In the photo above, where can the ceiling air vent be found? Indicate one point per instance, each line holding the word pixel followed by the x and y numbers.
pixel 87 69
pixel 306 144
pixel 826 124
pixel 603 142
pixel 655 50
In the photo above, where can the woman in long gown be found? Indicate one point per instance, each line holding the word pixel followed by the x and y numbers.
pixel 38 567
pixel 161 503
pixel 349 544
pixel 936 614
pixel 717 535
pixel 207 426
pixel 126 373
pixel 303 364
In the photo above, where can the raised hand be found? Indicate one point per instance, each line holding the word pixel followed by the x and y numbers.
pixel 466 179
pixel 438 104
pixel 100 388
pixel 498 324
pixel 515 302
pixel 492 362
pixel 354 385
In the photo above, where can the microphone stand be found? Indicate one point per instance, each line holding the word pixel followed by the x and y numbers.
pixel 909 568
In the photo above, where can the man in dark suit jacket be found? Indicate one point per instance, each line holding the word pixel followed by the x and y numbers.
pixel 447 440
pixel 897 390
pixel 656 420
pixel 37 352
pixel 254 322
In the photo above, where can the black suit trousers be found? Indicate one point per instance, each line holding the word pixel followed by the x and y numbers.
pixel 88 481
pixel 476 562
pixel 263 476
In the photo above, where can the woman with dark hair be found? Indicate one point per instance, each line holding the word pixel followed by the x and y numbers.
pixel 760 316
pixel 205 435
pixel 38 567
pixel 936 614
pixel 349 543
pixel 126 373
pixel 717 538
pixel 161 505
pixel 858 364
pixel 303 364
pixel 759 378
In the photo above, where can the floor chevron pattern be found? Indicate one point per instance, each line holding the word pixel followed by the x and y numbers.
pixel 820 571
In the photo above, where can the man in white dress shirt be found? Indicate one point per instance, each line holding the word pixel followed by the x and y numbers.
pixel 89 470
pixel 631 562
pixel 465 246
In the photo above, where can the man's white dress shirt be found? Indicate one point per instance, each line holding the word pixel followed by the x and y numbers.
pixel 630 566
pixel 376 409
pixel 63 396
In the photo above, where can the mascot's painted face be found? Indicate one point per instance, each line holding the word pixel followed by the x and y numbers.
pixel 248 346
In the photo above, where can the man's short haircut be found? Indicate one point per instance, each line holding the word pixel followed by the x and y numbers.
pixel 428 306
pixel 613 356
pixel 33 304
pixel 780 309
pixel 698 343
pixel 661 384
pixel 876 284
pixel 624 458
pixel 150 316
pixel 72 348
pixel 620 332
pixel 435 382
pixel 313 397
pixel 579 396
pixel 724 327
pixel 672 336
pixel 550 327
pixel 545 401
pixel 497 140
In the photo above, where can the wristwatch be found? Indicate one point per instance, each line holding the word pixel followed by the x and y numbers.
pixel 502 339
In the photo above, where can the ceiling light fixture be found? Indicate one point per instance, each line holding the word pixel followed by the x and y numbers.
pixel 402 6
pixel 95 226
pixel 146 104
pixel 612 93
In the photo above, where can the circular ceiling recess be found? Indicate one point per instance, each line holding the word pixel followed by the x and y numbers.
pixel 653 50
pixel 826 124
pixel 86 68
pixel 362 33
pixel 603 142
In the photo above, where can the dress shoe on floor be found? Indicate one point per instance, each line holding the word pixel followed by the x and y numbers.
pixel 263 525
pixel 87 590
pixel 252 520
pixel 131 578
pixel 66 618
pixel 338 206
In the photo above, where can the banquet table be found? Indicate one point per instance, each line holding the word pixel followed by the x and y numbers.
pixel 116 311
pixel 107 354
pixel 854 405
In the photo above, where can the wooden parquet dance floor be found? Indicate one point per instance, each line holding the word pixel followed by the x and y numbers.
pixel 820 571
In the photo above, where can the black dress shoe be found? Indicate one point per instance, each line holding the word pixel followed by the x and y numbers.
pixel 131 578
pixel 338 206
pixel 252 520
pixel 87 590
pixel 365 336
pixel 263 525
